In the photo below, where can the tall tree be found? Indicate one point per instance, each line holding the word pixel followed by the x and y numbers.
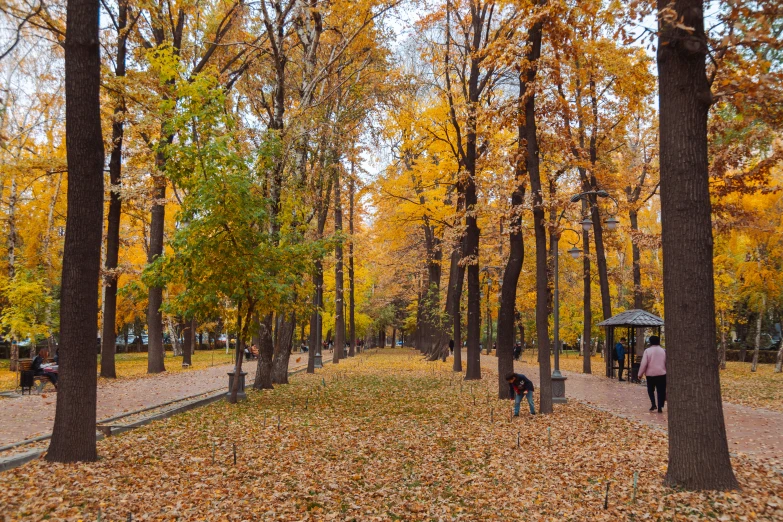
pixel 698 450
pixel 109 330
pixel 516 255
pixel 73 435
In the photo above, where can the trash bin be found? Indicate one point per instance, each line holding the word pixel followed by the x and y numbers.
pixel 26 380
pixel 241 392
pixel 635 372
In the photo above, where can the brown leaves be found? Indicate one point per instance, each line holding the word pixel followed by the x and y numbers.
pixel 391 439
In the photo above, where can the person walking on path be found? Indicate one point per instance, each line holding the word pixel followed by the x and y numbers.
pixel 519 386
pixel 654 367
pixel 619 351
pixel 451 346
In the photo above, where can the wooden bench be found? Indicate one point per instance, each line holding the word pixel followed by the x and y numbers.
pixel 25 365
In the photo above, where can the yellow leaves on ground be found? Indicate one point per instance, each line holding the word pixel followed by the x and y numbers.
pixel 381 437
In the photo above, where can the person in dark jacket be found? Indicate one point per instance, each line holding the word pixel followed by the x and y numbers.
pixel 520 386
pixel 451 345
pixel 619 351
pixel 37 367
pixel 517 351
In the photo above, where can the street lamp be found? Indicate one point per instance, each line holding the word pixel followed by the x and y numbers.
pixel 558 380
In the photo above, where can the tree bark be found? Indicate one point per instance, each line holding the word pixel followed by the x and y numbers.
pixel 266 349
pixel 779 361
pixel 542 268
pixel 698 451
pixel 456 273
pixel 351 289
pixel 757 345
pixel 73 435
pixel 315 316
pixel 282 353
pixel 339 315
pixel 722 342
pixel 155 349
pixel 587 311
pixel 508 292
pixel 108 334
pixel 232 399
pixel 187 342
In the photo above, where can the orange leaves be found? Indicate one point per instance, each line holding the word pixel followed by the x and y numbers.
pixel 391 438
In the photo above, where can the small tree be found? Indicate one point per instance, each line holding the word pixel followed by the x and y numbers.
pixel 25 315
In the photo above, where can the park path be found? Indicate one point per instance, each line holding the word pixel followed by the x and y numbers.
pixel 29 416
pixel 755 432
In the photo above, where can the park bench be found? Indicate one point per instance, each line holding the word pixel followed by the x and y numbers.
pixel 26 378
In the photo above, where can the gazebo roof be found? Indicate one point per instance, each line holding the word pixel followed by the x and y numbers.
pixel 633 318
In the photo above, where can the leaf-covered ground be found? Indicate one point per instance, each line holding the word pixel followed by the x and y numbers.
pixel 134 365
pixel 380 437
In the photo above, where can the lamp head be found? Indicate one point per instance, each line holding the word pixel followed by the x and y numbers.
pixel 575 252
pixel 575 198
pixel 603 193
pixel 612 223
pixel 586 224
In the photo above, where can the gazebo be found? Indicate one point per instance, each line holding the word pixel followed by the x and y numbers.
pixel 630 319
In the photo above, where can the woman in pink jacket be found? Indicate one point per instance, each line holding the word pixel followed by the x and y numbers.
pixel 654 367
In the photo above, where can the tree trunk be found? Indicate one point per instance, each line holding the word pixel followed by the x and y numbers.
pixel 757 346
pixel 266 349
pixel 187 342
pixel 394 337
pixel 339 315
pixel 155 351
pixel 722 341
pixel 587 311
pixel 12 198
pixel 452 304
pixel 282 354
pixel 779 361
pixel 351 293
pixel 698 451
pixel 237 358
pixel 315 316
pixel 638 296
pixel 542 269
pixel 73 435
pixel 108 334
pixel 600 254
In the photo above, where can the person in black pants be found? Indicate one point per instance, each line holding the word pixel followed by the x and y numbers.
pixel 451 345
pixel 654 367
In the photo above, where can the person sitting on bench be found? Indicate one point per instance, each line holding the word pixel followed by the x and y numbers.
pixel 38 367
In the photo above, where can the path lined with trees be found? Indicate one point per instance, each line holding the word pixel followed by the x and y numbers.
pixel 303 169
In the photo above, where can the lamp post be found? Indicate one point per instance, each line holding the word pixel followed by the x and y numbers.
pixel 558 380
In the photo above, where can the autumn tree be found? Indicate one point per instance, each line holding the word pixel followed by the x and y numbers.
pixel 698 450
pixel 73 435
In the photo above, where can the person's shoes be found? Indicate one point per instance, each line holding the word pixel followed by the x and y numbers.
pixel 515 415
pixel 652 408
pixel 660 410
pixel 621 380
pixel 532 413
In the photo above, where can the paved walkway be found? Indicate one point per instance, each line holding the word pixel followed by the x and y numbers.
pixel 755 432
pixel 33 415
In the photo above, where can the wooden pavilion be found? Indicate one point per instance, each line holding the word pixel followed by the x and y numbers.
pixel 633 320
